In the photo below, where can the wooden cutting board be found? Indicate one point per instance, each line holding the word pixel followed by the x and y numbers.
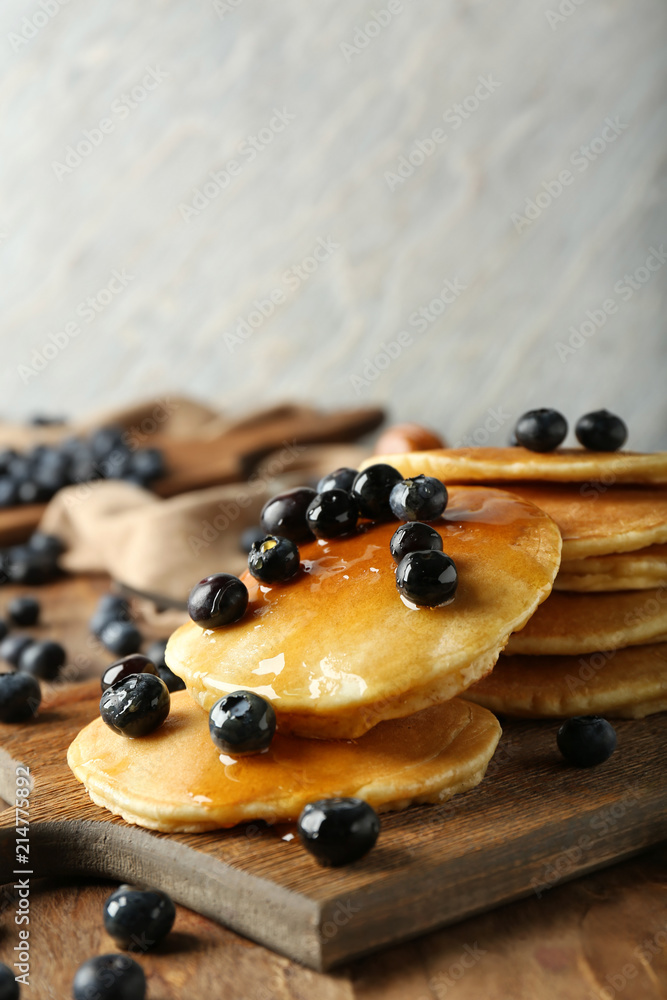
pixel 532 823
pixel 194 464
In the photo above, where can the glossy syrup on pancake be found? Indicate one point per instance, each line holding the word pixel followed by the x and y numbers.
pixel 175 779
pixel 336 650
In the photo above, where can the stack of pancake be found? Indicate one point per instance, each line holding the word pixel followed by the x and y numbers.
pixel 598 645
pixel 365 688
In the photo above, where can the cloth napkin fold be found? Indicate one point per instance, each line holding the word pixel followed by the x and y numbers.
pixel 162 547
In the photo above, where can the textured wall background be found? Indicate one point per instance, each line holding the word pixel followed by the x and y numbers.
pixel 357 87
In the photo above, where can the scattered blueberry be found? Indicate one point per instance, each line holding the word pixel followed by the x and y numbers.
pixel 30 568
pixel 601 431
pixel 371 489
pixel 9 493
pixel 23 610
pixel 9 988
pixel 4 629
pixel 332 514
pixel 217 600
pixel 422 498
pixel 155 652
pixel 273 559
pixel 135 663
pixel 541 430
pixel 42 659
pixel 45 544
pixel 428 579
pixel 110 608
pixel 120 638
pixel 340 479
pixel 109 977
pixel 11 648
pixel 338 831
pixel 285 514
pixel 20 696
pixel 249 536
pixel 586 740
pixel 242 723
pixel 136 706
pixel 147 464
pixel 138 918
pixel 414 537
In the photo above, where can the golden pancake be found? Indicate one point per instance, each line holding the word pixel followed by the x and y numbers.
pixel 336 650
pixel 624 683
pixel 639 570
pixel 565 465
pixel 618 519
pixel 569 624
pixel 176 780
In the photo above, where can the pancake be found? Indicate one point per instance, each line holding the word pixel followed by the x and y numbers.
pixel 624 684
pixel 565 465
pixel 570 624
pixel 639 570
pixel 336 650
pixel 593 522
pixel 176 780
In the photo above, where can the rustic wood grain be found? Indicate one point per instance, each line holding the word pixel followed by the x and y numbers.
pixel 532 823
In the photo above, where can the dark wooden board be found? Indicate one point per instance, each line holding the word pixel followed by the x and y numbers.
pixel 532 823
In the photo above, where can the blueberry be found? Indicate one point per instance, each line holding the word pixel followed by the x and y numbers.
pixel 20 696
pixel 148 463
pixel 42 659
pixel 427 578
pixel 340 479
pixel 338 831
pixel 274 559
pixel 135 663
pixel 285 514
pixel 109 977
pixel 23 610
pixel 155 652
pixel 103 441
pixel 121 638
pixel 172 680
pixel 422 498
pixel 249 536
pixel 9 494
pixel 138 918
pixel 217 600
pixel 6 456
pixel 541 430
pixel 242 723
pixel 371 489
pixel 31 492
pixel 136 706
pixel 110 608
pixel 9 988
pixel 4 629
pixel 601 431
pixel 332 514
pixel 29 567
pixel 586 740
pixel 11 648
pixel 414 537
pixel 44 544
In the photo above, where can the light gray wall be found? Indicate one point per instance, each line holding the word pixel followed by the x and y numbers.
pixel 353 101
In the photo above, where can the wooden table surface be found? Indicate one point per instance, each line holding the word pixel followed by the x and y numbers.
pixel 607 931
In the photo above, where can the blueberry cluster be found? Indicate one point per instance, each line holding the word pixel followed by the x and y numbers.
pixel 32 563
pixel 32 661
pixel 36 475
pixel 137 920
pixel 112 624
pixel 544 430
